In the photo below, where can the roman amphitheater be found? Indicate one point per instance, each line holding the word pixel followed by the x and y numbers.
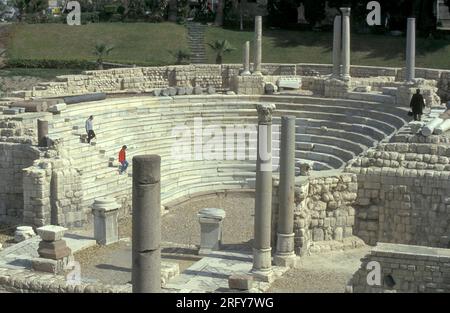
pixel 365 174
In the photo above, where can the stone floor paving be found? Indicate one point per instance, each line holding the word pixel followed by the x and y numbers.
pixel 211 273
pixel 19 256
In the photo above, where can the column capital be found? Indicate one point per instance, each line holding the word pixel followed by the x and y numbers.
pixel 265 111
pixel 346 11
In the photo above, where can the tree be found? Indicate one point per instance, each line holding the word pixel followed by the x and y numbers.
pixel 173 11
pixel 219 13
pixel 220 47
pixel 181 56
pixel 101 51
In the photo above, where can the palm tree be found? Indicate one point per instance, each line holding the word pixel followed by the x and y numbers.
pixel 101 51
pixel 181 56
pixel 221 47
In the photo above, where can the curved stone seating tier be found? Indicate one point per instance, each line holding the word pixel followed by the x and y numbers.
pixel 329 134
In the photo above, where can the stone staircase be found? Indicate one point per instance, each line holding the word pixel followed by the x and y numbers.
pixel 196 37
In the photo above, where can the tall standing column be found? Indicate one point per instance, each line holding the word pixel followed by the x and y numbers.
pixel 146 227
pixel 285 255
pixel 411 50
pixel 337 36
pixel 262 258
pixel 246 58
pixel 258 46
pixel 345 43
pixel 42 126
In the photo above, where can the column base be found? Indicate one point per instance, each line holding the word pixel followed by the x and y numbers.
pixel 204 252
pixel 262 259
pixel 267 276
pixel 285 260
pixel 346 78
pixel 258 73
pixel 285 255
pixel 246 73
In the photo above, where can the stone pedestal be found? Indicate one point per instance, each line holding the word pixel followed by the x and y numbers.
pixel 54 255
pixel 23 233
pixel 106 213
pixel 345 43
pixel 210 220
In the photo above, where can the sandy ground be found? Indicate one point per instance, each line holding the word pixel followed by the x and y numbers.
pixel 180 226
pixel 322 273
pixel 318 273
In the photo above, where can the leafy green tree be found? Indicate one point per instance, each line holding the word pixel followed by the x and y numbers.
pixel 220 47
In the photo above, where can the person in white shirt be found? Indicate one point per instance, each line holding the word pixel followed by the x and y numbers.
pixel 90 129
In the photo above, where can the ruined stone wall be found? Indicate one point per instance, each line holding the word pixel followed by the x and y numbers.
pixel 16 153
pixel 218 76
pixel 404 269
pixel 13 158
pixel 403 194
pixel 52 194
pixel 324 210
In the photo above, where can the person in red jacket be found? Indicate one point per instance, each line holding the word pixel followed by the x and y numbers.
pixel 123 160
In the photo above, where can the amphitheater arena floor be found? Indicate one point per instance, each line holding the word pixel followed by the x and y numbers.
pixel 180 233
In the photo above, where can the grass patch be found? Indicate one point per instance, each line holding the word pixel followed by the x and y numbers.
pixel 44 73
pixel 142 43
pixel 283 46
pixel 151 44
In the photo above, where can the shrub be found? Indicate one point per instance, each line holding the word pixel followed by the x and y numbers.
pixel 49 63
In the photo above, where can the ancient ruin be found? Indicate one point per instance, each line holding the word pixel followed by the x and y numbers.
pixel 345 165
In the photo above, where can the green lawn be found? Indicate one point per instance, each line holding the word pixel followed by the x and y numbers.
pixel 316 47
pixel 45 73
pixel 137 42
pixel 151 44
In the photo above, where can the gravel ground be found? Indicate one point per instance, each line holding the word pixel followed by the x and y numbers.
pixel 181 224
pixel 112 264
pixel 7 235
pixel 322 273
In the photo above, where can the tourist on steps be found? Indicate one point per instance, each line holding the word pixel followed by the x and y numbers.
pixel 90 129
pixel 417 105
pixel 123 160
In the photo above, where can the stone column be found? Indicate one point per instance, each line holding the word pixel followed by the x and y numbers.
pixel 337 35
pixel 106 214
pixel 411 50
pixel 42 133
pixel 262 258
pixel 146 227
pixel 285 255
pixel 345 43
pixel 246 58
pixel 258 46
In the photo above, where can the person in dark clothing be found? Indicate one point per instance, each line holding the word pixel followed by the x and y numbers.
pixel 417 105
pixel 90 129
